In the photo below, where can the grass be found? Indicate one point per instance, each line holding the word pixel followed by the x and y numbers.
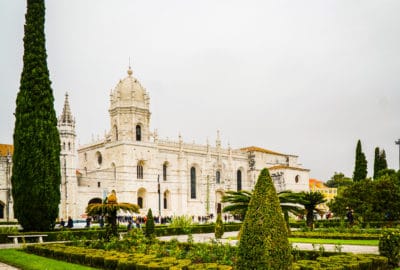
pixel 22 260
pixel 335 241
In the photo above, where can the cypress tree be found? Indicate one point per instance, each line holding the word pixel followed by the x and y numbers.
pixel 380 162
pixel 219 227
pixel 376 161
pixel 36 161
pixel 263 237
pixel 360 167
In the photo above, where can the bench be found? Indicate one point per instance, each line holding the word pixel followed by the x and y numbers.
pixel 23 236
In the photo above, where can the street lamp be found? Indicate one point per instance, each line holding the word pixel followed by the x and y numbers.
pixel 398 143
pixel 8 185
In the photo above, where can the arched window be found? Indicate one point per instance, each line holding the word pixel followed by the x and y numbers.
pixel 164 170
pixel 140 202
pixel 193 183
pixel 69 146
pixel 64 146
pixel 95 200
pixel 139 170
pixel 239 180
pixel 165 200
pixel 138 133
pixel 116 132
pixel 218 177
pixel 297 178
pixel 99 158
pixel 141 199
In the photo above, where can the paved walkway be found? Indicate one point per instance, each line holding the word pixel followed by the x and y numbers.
pixel 207 237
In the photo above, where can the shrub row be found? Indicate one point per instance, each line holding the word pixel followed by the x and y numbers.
pixel 99 258
pixel 335 223
pixel 336 235
pixel 94 233
pixel 344 262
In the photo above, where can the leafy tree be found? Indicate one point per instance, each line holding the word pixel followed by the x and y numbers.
pixel 380 162
pixel 310 201
pixel 149 232
pixel 339 180
pixel 36 174
pixel 219 227
pixel 263 244
pixel 110 208
pixel 370 200
pixel 360 167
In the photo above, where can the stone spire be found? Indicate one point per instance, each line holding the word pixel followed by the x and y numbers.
pixel 66 116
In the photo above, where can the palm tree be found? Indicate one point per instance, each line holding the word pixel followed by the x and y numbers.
pixel 310 201
pixel 239 201
pixel 110 208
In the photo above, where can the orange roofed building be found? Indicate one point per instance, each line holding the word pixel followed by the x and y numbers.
pixel 329 193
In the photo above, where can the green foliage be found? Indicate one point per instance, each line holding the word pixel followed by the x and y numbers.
pixel 36 175
pixel 377 200
pixel 109 208
pixel 219 227
pixel 310 201
pixel 380 162
pixel 184 222
pixel 339 180
pixel 389 246
pixel 149 229
pixel 263 244
pixel 360 167
pixel 238 202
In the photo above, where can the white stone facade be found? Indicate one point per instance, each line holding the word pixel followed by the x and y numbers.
pixel 170 177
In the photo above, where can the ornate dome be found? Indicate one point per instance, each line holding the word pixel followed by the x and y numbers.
pixel 129 91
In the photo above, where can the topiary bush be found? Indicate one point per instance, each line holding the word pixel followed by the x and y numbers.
pixel 149 229
pixel 219 227
pixel 264 240
pixel 389 246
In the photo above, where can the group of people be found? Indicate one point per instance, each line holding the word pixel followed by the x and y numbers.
pixel 70 223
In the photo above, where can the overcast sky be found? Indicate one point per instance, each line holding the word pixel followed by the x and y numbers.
pixel 307 78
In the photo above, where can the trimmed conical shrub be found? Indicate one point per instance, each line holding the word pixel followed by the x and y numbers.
pixel 149 229
pixel 219 227
pixel 264 240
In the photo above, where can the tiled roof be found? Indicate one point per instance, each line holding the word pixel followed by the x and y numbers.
pixel 282 167
pixel 6 149
pixel 259 149
pixel 316 183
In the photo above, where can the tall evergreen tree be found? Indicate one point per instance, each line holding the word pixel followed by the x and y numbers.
pixel 376 161
pixel 360 167
pixel 380 162
pixel 36 160
pixel 263 238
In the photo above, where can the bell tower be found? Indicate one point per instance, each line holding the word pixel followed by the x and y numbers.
pixel 66 128
pixel 129 111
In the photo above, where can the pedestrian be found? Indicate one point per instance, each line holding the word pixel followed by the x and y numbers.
pixel 129 227
pixel 88 220
pixel 62 223
pixel 101 222
pixel 70 223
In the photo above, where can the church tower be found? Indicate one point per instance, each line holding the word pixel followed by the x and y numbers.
pixel 66 128
pixel 129 111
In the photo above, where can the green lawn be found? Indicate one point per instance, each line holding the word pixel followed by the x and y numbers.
pixel 335 241
pixel 23 260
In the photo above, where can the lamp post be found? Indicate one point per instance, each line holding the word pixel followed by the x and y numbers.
pixel 159 199
pixel 398 143
pixel 8 186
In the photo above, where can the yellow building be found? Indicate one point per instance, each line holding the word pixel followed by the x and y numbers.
pixel 329 193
